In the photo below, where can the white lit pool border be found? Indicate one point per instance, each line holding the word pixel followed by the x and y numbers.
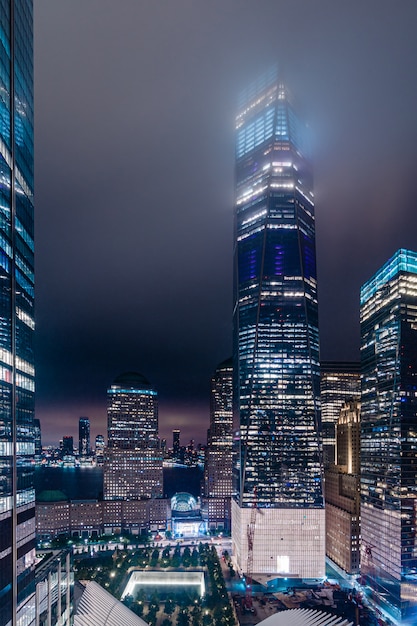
pixel 144 578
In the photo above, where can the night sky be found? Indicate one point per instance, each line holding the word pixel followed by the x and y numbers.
pixel 135 104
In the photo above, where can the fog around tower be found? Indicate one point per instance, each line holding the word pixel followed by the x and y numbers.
pixel 135 107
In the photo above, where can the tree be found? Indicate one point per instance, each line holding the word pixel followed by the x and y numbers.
pixel 194 558
pixel 207 619
pixel 169 606
pixel 186 557
pixel 137 607
pixel 176 559
pixel 183 618
pixel 154 603
pixel 155 557
pixel 151 618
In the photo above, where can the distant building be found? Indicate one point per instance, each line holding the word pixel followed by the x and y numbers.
pixel 176 444
pixel 340 382
pixel 84 436
pixel 342 493
pixel 133 458
pixel 276 341
pixel 100 442
pixel 17 317
pixel 38 439
pixel 60 517
pixel 67 445
pixel 389 435
pixel 99 449
pixel 218 457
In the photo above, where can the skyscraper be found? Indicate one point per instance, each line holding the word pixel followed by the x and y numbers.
pixel 218 460
pixel 99 449
pixel 67 445
pixel 17 494
pixel 342 492
pixel 389 435
pixel 278 467
pixel 176 444
pixel 84 436
pixel 38 439
pixel 340 382
pixel 133 459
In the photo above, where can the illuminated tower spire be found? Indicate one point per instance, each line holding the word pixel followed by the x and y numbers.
pixel 276 342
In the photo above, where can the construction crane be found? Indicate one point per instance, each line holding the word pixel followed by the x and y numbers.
pixel 251 537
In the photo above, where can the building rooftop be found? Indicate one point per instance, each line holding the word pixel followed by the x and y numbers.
pixel 304 617
pixel 97 606
pixel 402 261
pixel 132 379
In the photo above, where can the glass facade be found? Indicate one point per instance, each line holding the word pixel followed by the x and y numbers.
pixel 218 458
pixel 133 459
pixel 276 340
pixel 275 308
pixel 389 435
pixel 17 494
pixel 340 382
pixel 83 436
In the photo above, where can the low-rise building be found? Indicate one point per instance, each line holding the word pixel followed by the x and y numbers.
pixel 89 518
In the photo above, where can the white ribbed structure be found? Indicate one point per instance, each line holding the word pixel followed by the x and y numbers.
pixel 97 607
pixel 304 617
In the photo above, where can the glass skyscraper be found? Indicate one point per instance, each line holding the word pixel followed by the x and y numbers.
pixel 83 436
pixel 278 464
pixel 133 459
pixel 389 435
pixel 340 382
pixel 218 458
pixel 17 494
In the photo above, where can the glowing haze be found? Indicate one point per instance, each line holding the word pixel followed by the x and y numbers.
pixel 135 107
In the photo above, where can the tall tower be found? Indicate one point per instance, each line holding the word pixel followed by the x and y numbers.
pixel 218 460
pixel 84 436
pixel 17 493
pixel 340 382
pixel 389 434
pixel 278 464
pixel 133 459
pixel 176 442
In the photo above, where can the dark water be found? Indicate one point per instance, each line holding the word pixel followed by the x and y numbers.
pixel 77 483
pixel 86 483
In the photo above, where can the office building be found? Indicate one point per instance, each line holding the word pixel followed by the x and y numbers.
pixel 67 445
pixel 59 517
pixel 38 439
pixel 17 450
pixel 340 382
pixel 54 588
pixel 99 449
pixel 84 436
pixel 218 458
pixel 342 492
pixel 133 459
pixel 389 435
pixel 278 468
pixel 176 444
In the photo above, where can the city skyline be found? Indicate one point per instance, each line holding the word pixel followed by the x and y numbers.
pixel 134 184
